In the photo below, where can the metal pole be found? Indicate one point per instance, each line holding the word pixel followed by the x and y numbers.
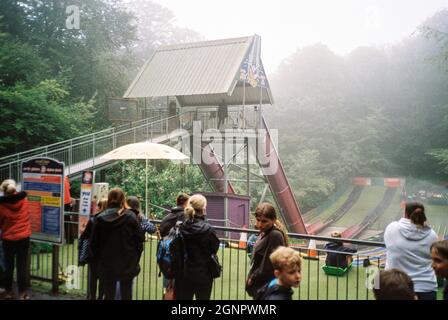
pixel 114 138
pixel 263 195
pixel 259 111
pixel 55 270
pixel 93 150
pixel 224 168
pixel 70 156
pixel 146 189
pixel 246 140
pixel 244 104
pixel 182 169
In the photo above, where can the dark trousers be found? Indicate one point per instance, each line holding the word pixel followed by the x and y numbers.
pixel 432 295
pixel 94 284
pixel 2 278
pixel 16 250
pixel 111 285
pixel 185 289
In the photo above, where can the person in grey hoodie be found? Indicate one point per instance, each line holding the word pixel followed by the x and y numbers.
pixel 408 242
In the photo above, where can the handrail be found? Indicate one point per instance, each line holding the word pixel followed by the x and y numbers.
pixel 134 124
pixel 44 149
pixel 299 236
pixel 2 159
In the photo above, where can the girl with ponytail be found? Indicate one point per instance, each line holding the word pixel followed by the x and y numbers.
pixel 200 243
pixel 408 248
pixel 272 235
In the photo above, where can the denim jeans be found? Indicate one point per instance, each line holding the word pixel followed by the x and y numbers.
pixel 432 295
pixel 118 290
pixel 125 289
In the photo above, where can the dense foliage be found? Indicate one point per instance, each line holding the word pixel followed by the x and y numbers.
pixel 378 111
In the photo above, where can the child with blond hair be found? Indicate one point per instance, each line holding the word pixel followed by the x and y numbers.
pixel 287 265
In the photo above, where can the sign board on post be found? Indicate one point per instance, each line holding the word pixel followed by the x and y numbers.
pixel 85 203
pixel 100 191
pixel 43 180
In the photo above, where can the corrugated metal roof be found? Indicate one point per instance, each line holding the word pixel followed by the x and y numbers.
pixel 199 73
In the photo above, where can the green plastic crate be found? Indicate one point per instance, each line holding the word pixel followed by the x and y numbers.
pixel 336 271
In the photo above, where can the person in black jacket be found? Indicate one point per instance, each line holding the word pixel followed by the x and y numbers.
pixel 272 235
pixel 176 214
pixel 169 221
pixel 117 244
pixel 287 265
pixel 93 276
pixel 439 255
pixel 200 243
pixel 338 260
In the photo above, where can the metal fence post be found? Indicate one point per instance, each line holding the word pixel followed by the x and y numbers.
pixel 147 131
pixel 93 150
pixel 18 169
pixel 70 155
pixel 114 138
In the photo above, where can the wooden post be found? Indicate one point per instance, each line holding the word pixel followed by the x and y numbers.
pixel 55 270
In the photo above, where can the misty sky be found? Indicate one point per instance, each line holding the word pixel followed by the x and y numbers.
pixel 285 25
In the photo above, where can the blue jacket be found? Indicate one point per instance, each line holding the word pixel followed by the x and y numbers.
pixel 274 291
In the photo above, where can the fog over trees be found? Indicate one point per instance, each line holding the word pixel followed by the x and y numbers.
pixel 377 111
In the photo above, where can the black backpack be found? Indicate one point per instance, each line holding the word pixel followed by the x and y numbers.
pixel 171 254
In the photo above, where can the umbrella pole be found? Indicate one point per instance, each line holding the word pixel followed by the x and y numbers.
pixel 146 189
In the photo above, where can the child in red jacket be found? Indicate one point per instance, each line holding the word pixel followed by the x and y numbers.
pixel 16 231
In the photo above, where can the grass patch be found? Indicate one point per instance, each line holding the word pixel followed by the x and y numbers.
pixel 336 205
pixel 231 285
pixel 369 199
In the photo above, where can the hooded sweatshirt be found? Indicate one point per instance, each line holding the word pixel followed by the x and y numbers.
pixel 116 244
pixel 170 220
pixel 408 249
pixel 274 291
pixel 200 243
pixel 262 270
pixel 14 217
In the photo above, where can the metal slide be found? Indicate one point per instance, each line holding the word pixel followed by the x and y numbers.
pixel 356 230
pixel 319 226
pixel 213 170
pixel 279 184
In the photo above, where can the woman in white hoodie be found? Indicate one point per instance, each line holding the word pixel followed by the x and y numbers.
pixel 408 243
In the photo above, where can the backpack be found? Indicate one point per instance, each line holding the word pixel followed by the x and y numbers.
pixel 84 255
pixel 171 254
pixel 264 290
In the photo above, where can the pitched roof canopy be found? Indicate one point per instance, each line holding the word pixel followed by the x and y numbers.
pixel 206 73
